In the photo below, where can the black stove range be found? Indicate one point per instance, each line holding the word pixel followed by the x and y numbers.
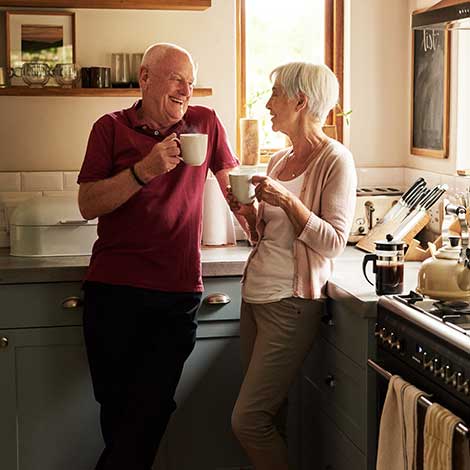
pixel 427 342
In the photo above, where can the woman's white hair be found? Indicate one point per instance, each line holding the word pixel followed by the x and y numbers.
pixel 316 81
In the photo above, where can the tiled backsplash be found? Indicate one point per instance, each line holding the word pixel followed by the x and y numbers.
pixel 16 187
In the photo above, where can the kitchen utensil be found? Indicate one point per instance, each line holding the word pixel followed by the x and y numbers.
pixel 5 75
pixel 96 77
pixel 388 264
pixel 418 215
pixel 134 69
pixel 402 206
pixel 66 74
pixel 35 74
pixel 120 77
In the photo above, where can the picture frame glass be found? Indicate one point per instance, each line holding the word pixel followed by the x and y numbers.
pixel 42 37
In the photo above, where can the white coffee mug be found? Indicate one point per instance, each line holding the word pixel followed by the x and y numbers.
pixel 193 148
pixel 242 187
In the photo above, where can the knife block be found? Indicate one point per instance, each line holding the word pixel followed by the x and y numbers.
pixel 380 231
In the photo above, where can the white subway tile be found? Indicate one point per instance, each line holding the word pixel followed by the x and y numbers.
pixel 70 180
pixel 11 197
pixel 42 181
pixel 10 181
pixel 61 193
pixel 386 176
pixel 450 181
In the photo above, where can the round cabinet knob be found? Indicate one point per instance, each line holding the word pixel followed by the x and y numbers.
pixel 3 342
pixel 427 363
pixel 328 319
pixel 449 376
pixel 330 381
pixel 217 299
pixel 72 302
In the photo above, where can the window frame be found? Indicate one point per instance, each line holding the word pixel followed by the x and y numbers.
pixel 334 51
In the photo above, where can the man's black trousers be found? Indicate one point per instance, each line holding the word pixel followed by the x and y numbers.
pixel 137 342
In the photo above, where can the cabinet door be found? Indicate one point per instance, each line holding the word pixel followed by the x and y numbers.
pixel 49 419
pixel 323 445
pixel 199 436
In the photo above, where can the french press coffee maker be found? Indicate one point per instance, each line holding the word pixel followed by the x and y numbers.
pixel 388 266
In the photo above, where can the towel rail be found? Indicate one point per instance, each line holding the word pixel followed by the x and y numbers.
pixel 423 401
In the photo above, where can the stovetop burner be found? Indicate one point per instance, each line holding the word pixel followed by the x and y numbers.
pixel 456 307
pixel 454 313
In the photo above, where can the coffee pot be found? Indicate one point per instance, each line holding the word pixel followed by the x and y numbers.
pixel 388 266
pixel 446 275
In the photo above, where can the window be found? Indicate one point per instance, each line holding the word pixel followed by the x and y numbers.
pixel 279 31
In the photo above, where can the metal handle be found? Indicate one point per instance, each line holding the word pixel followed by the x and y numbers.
pixel 72 302
pixel 3 342
pixel 73 222
pixel 217 298
pixel 328 320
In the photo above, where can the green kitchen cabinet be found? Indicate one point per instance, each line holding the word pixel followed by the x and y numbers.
pixel 49 419
pixel 336 395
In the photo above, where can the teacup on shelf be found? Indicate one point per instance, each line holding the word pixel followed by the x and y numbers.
pixel 35 74
pixel 66 74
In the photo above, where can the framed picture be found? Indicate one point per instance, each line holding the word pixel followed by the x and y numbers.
pixel 430 93
pixel 40 36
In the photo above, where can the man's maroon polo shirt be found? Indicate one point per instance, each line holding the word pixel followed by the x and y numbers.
pixel 153 240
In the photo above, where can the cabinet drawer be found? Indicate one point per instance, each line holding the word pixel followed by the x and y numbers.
pixel 230 286
pixel 339 386
pixel 36 305
pixel 326 447
pixel 346 330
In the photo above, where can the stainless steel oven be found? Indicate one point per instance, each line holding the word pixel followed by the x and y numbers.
pixel 428 345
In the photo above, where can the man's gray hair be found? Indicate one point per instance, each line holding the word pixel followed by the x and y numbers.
pixel 158 52
pixel 316 81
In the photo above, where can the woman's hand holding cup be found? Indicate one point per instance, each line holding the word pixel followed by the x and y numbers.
pixel 236 206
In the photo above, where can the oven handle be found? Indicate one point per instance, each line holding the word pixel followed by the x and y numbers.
pixel 461 428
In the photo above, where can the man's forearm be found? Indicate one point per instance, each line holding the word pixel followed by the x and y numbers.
pixel 104 196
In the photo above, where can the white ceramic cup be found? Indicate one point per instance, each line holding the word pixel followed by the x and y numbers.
pixel 242 187
pixel 193 148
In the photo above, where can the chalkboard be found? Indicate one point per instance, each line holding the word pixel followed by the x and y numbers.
pixel 430 93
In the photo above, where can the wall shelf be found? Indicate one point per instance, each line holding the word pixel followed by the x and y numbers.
pixel 112 4
pixel 90 92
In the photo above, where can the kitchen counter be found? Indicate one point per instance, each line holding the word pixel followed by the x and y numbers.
pixel 216 261
pixel 347 282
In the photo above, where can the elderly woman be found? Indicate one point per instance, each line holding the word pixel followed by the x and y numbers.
pixel 305 209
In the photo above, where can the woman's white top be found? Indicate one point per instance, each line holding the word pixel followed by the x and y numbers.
pixel 270 276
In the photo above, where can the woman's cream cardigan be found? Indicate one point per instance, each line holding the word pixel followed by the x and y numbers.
pixel 329 191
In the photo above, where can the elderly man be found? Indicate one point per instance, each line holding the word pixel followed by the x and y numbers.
pixel 143 285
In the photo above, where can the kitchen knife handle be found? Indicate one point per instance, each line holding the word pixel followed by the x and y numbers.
pixel 441 189
pixel 420 182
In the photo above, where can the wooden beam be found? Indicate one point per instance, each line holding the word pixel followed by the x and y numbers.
pixel 112 4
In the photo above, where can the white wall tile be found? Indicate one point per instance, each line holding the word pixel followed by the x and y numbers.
pixel 11 197
pixel 42 181
pixel 462 183
pixel 412 174
pixel 61 193
pixel 10 181
pixel 70 180
pixel 386 176
pixel 450 181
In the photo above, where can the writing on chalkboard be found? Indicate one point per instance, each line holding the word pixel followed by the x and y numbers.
pixel 430 94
